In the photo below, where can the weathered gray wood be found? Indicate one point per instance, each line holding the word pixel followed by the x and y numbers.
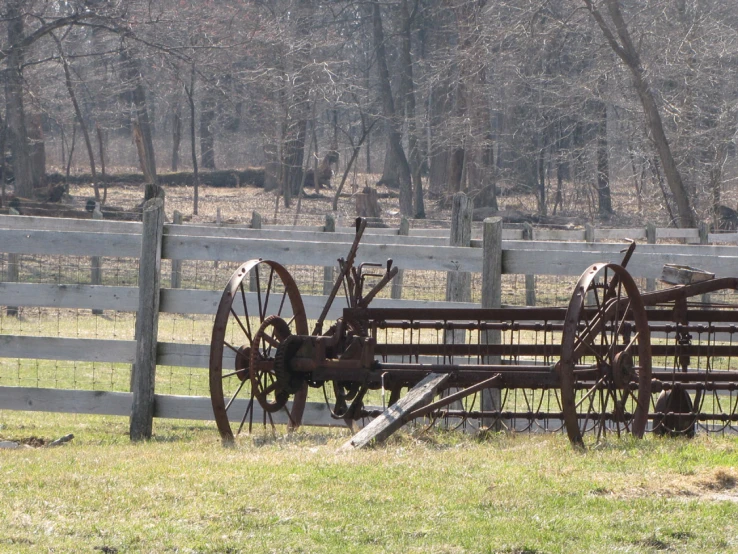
pixel 490 399
pixel 723 238
pixel 255 224
pixel 176 278
pixel 589 236
pixel 398 281
pixel 300 236
pixel 70 296
pixel 438 258
pixel 677 233
pixel 55 348
pixel 147 321
pixel 458 283
pixel 650 239
pixel 328 271
pixel 65 401
pixel 642 250
pixel 177 301
pixel 618 234
pixel 704 232
pixel 70 243
pixel 553 262
pixel 13 268
pixel 393 417
pixel 96 263
pixel 530 280
pixel 684 275
pixel 37 223
pixel 166 406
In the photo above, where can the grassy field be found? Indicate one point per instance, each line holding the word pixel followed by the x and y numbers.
pixel 183 492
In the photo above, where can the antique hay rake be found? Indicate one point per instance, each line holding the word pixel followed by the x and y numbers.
pixel 614 361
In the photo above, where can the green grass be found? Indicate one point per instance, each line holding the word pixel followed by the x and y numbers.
pixel 183 492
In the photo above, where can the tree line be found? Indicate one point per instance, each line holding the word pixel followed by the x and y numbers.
pixel 438 96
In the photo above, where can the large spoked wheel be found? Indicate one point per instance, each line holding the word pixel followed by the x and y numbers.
pixel 260 307
pixel 605 366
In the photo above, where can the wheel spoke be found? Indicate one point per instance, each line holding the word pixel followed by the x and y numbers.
pixel 590 391
pixel 246 331
pixel 246 312
pixel 235 394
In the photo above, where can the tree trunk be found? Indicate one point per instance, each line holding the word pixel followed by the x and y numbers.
pixel 176 135
pixel 207 137
pixel 408 86
pixel 604 199
pixel 80 118
pixel 142 125
pixel 627 52
pixel 17 130
pixel 397 170
pixel 193 141
pixel 438 107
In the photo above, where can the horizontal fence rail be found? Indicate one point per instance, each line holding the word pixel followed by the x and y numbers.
pixel 550 252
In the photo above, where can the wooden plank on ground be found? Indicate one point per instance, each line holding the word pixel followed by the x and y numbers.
pixel 393 417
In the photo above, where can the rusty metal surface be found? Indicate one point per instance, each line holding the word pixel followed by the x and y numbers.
pixel 593 368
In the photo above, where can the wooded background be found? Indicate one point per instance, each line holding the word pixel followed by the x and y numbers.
pixel 436 95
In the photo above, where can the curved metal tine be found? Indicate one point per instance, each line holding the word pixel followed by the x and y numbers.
pixel 583 428
pixel 601 428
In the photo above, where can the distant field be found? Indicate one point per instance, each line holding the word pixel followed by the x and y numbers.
pixel 445 492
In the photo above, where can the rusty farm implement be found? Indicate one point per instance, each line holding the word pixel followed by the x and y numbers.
pixel 614 361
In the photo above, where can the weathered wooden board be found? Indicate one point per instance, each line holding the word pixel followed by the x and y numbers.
pixel 54 348
pixel 178 301
pixel 55 243
pixel 572 263
pixel 684 275
pixel 35 223
pixel 70 296
pixel 393 417
pixel 165 406
pixel 438 258
pixel 65 401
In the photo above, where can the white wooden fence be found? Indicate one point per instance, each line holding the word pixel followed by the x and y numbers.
pixel 549 253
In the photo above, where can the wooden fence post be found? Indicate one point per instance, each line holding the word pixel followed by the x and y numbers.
pixel 397 282
pixel 458 283
pixel 147 320
pixel 650 239
pixel 96 263
pixel 704 231
pixel 176 280
pixel 255 224
pixel 13 266
pixel 328 273
pixel 589 236
pixel 491 298
pixel 530 280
